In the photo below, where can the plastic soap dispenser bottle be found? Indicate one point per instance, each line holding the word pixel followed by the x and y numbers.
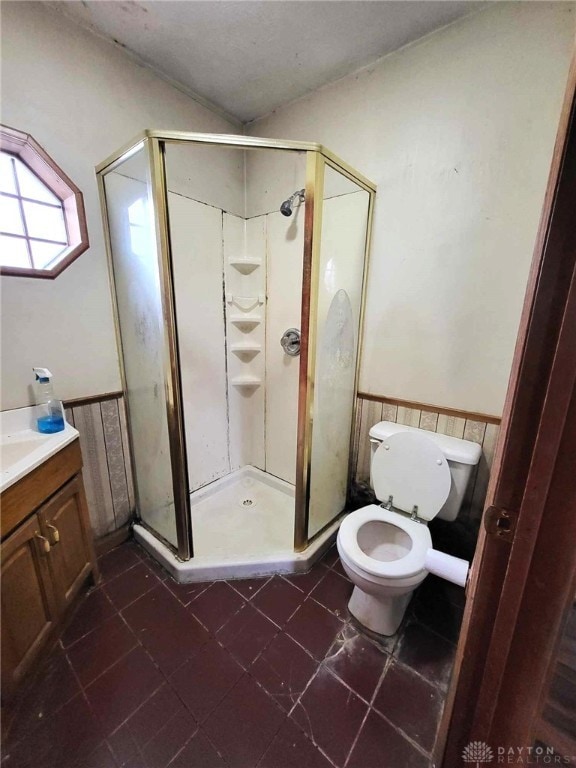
pixel 50 414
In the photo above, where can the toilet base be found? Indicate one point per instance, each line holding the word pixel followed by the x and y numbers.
pixel 382 614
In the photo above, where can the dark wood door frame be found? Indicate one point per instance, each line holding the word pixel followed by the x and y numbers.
pixel 520 577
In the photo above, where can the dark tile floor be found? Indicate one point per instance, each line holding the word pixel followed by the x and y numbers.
pixel 262 672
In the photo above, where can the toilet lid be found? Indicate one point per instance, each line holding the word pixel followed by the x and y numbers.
pixel 414 471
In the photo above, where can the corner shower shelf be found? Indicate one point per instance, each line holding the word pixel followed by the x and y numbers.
pixel 245 303
pixel 245 265
pixel 246 349
pixel 246 381
pixel 247 322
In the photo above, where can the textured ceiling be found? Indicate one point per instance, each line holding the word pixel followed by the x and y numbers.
pixel 247 57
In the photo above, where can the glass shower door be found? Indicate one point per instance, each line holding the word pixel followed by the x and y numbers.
pixel 138 296
pixel 340 275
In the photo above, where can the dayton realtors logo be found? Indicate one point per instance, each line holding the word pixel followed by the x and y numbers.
pixel 479 753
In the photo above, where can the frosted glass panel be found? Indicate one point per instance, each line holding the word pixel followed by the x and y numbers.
pixel 344 224
pixel 137 281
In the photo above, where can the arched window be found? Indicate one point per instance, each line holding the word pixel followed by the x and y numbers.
pixel 42 220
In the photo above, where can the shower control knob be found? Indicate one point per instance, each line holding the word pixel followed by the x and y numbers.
pixel 290 342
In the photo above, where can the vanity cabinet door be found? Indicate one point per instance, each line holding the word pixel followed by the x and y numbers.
pixel 64 521
pixel 29 606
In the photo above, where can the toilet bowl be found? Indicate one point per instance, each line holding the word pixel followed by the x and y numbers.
pixel 385 549
pixel 383 555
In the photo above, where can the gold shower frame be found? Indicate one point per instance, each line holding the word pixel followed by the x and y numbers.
pixel 153 142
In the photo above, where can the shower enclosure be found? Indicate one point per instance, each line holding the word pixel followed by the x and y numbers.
pixel 238 267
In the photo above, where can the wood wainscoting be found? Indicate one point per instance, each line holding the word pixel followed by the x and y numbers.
pixel 101 421
pixel 107 472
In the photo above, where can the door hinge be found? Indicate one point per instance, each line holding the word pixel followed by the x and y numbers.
pixel 500 522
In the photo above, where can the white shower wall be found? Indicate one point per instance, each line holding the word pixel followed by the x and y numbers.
pixel 285 244
pixel 196 238
pixel 245 289
pixel 240 391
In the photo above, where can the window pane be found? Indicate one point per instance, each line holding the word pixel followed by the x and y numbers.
pixel 45 222
pixel 31 186
pixel 44 253
pixel 6 174
pixel 14 252
pixel 10 218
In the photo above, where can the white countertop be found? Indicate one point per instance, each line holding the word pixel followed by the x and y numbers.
pixel 23 447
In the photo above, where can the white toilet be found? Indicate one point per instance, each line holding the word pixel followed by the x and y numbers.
pixel 386 549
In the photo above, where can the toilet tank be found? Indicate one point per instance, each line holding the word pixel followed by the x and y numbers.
pixel 462 457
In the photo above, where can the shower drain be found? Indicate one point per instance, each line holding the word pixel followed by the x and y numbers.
pixel 247 503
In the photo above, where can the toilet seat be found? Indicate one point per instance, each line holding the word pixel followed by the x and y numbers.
pixel 411 469
pixel 406 566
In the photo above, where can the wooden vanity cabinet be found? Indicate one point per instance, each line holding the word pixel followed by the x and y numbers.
pixel 46 558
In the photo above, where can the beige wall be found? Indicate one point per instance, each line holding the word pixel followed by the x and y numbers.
pixel 81 98
pixel 457 130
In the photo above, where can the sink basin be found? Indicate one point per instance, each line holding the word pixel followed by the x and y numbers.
pixel 17 448
pixel 23 448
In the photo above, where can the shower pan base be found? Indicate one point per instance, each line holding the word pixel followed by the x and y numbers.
pixel 243 527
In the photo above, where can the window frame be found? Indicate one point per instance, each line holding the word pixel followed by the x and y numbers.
pixel 27 150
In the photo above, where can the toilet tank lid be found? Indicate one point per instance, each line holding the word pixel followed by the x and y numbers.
pixel 455 449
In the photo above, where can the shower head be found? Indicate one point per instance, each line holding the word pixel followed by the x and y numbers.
pixel 286 207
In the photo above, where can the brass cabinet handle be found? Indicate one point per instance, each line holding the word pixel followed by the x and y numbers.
pixel 45 543
pixel 55 533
